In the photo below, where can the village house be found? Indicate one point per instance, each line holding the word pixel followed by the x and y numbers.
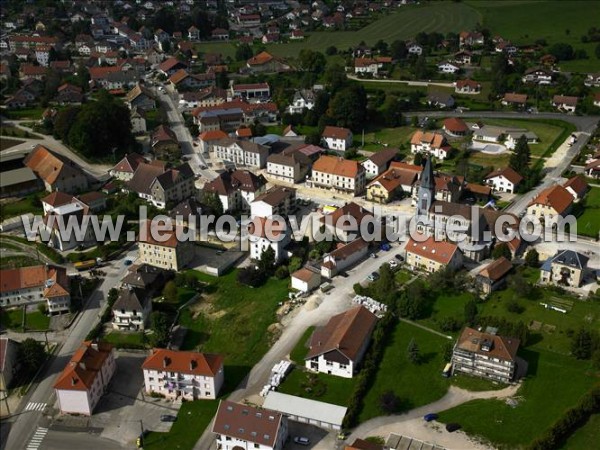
pixel 447 67
pixel 264 62
pixel 431 255
pixel 241 152
pixel 164 143
pixel 132 309
pixel 463 57
pixel 219 34
pixel 429 143
pixel 289 168
pixel 338 347
pixel 565 103
pixel 577 187
pixel 209 96
pixel 566 268
pixel 183 375
pixel 345 222
pixel 68 93
pixel 370 65
pixel 183 80
pixel 414 49
pixel 74 212
pixel 208 139
pixel 305 280
pixel 227 119
pixel 513 99
pixel 242 426
pixel 36 284
pixel 455 127
pixel 278 200
pixel 249 92
pixel 85 378
pixel 125 168
pixel 467 87
pixel 485 355
pixel 140 97
pixel 399 180
pixel 168 252
pixel 504 180
pixel 343 257
pixel 159 185
pixel 236 189
pixel 332 172
pixel 303 99
pixel 379 161
pixel 512 136
pixel 57 172
pixel 146 278
pixel 337 138
pixel 489 133
pixel 440 100
pixel 171 65
pixel 551 205
pixel 592 79
pixel 264 233
pixel 493 276
pixel 538 75
pixel 138 120
pixel 470 39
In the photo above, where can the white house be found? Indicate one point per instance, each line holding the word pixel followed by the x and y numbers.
pixel 338 347
pixel 306 280
pixel 85 378
pixel 343 257
pixel 131 310
pixel 237 189
pixel 337 138
pixel 513 136
pixel 565 103
pixel 183 375
pixel 277 201
pixel 503 180
pixel 430 143
pixel 240 426
pixel 303 99
pixel 341 174
pixel 264 233
pixel 378 162
pixel 414 49
pixel 288 167
pixel 447 67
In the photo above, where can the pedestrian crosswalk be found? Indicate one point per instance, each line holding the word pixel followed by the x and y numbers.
pixel 31 406
pixel 37 438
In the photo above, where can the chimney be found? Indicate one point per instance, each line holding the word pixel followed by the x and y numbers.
pixel 165 361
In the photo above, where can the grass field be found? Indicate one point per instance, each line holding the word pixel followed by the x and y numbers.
pixel 299 352
pixel 318 386
pixel 588 223
pixel 555 383
pixel 13 319
pixel 10 130
pixel 386 138
pixel 524 21
pixel 585 436
pixel 125 340
pixel 30 204
pixel 25 113
pixel 415 385
pixel 14 262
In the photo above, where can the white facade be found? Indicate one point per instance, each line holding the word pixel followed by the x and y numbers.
pixel 501 184
pixel 415 49
pixel 306 282
pixel 438 152
pixel 448 68
pixel 300 102
pixel 322 365
pixel 259 244
pixel 185 385
pixel 240 156
pixel 338 143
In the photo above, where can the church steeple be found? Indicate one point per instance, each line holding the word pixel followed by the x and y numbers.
pixel 426 190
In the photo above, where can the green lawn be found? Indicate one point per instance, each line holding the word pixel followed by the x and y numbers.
pixel 525 21
pixel 415 385
pixel 588 223
pixel 585 437
pixel 402 277
pixel 25 113
pixel 13 319
pixel 126 340
pixel 475 384
pixel 318 386
pixel 29 204
pixel 42 248
pixel 554 383
pixel 301 349
pixel 192 420
pixel 386 138
pixel 15 262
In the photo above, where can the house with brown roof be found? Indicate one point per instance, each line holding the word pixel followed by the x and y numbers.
pixel 132 309
pixel 379 161
pixel 236 189
pixel 164 143
pixel 279 200
pixel 336 173
pixel 125 168
pixel 264 62
pixel 486 355
pixel 337 138
pixel 85 378
pixel 361 444
pixel 343 257
pixel 68 93
pixel 514 99
pixel 306 279
pixel 288 167
pixel 208 138
pixel 504 180
pixel 427 253
pixel 338 347
pixel 241 152
pixel 429 143
pixel 140 97
pixel 577 187
pixel 467 87
pixel 35 284
pixel 162 248
pixel 159 185
pixel 565 103
pixel 345 223
pixel 182 79
pixel 493 276
pixel 57 172
pixel 240 426
pixel 171 65
pixel 551 205
pixel 455 126
pixel 399 180
pixel 183 375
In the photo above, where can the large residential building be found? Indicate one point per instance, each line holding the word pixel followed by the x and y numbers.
pixel 242 153
pixel 131 310
pixel 337 138
pixel 338 347
pixel 345 222
pixel 277 201
pixel 159 185
pixel 566 268
pixel 431 255
pixel 265 233
pixel 378 162
pixel 57 173
pixel 289 168
pixel 429 143
pixel 85 379
pixel 167 253
pixel 237 189
pixel 183 375
pixel 125 168
pixel 237 426
pixel 486 355
pixel 35 284
pixel 332 172
pixel 398 181
pixel 551 205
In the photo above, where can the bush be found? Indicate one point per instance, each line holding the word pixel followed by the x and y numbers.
pixel 42 308
pixel 514 306
pixel 450 324
pixel 282 272
pixel 389 402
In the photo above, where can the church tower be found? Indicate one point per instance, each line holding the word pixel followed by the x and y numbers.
pixel 426 190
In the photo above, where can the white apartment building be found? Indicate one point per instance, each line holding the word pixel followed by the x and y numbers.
pixel 264 233
pixel 132 310
pixel 241 152
pixel 331 172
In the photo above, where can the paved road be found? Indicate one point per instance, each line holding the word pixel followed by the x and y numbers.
pixel 61 440
pixel 407 82
pixel 22 426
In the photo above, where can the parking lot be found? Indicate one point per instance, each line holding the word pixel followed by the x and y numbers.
pixel 123 411
pixel 319 438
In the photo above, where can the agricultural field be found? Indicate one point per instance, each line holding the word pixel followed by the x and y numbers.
pixel 588 223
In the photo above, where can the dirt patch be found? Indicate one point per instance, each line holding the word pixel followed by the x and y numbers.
pixel 205 307
pixel 274 330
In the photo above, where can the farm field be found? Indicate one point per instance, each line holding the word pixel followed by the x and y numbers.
pixel 588 223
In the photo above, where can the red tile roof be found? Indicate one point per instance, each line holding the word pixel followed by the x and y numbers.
pixel 83 368
pixel 48 166
pixel 455 125
pixel 508 172
pixel 212 135
pixel 497 269
pixel 438 251
pixel 338 166
pixel 578 184
pixel 435 140
pixel 501 347
pixel 57 198
pixel 556 197
pixel 336 132
pixel 192 363
pixel 260 59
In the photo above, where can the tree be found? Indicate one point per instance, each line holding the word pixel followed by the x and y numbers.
pixel 420 69
pixel 331 50
pixel 413 352
pixel 562 51
pixel 313 138
pixel 519 159
pixel 42 308
pixel 250 276
pixel 532 258
pixel 391 110
pixel 389 402
pixel 267 261
pixel 470 311
pixel 384 289
pixel 170 292
pixel 31 356
pixel 597 51
pixel 294 264
pixel 500 70
pixel 348 107
pixel 111 298
pixel 64 121
pixel 335 76
pixel 447 351
pixel 311 61
pixel 414 302
pixel 581 345
pixel 159 324
pixel 243 52
pixel 501 250
pixel 213 203
pixel 398 50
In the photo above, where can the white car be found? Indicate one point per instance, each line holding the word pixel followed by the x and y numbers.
pixel 393 264
pixel 301 440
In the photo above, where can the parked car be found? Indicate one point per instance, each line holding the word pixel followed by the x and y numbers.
pixel 128 262
pixel 373 255
pixel 399 257
pixel 429 417
pixel 452 427
pixel 393 264
pixel 386 247
pixel 302 440
pixel 374 276
pixel 168 418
